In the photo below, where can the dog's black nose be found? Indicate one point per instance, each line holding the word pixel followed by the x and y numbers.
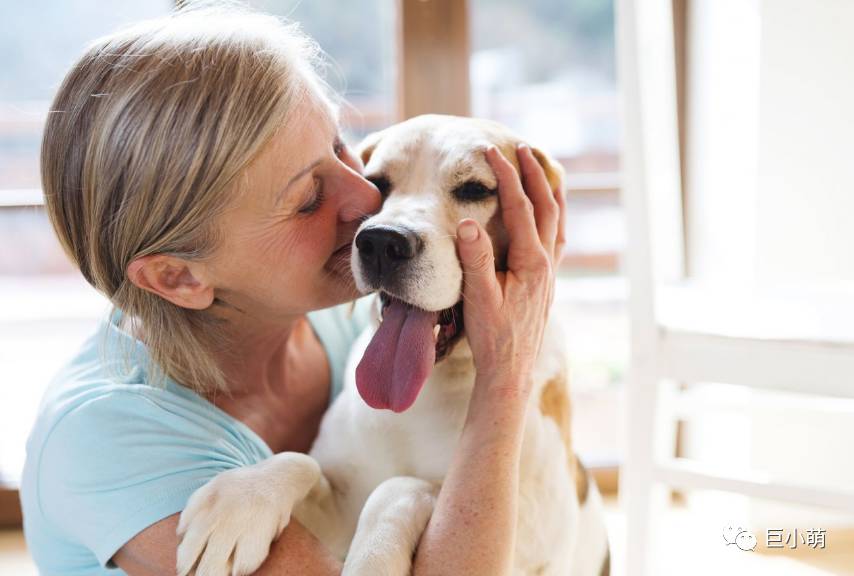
pixel 382 249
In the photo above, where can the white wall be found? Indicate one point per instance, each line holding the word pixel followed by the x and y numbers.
pixel 806 159
pixel 805 210
pixel 771 202
pixel 722 113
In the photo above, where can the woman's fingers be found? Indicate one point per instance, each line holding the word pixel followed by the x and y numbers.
pixel 480 284
pixel 536 185
pixel 517 211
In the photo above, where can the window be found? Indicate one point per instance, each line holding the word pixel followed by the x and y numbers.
pixel 41 45
pixel 546 69
pixel 359 40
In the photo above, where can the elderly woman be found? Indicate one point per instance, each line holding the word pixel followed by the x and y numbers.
pixel 194 171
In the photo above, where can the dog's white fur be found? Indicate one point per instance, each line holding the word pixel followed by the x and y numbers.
pixel 382 470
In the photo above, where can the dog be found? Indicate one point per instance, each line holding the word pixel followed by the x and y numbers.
pixel 369 484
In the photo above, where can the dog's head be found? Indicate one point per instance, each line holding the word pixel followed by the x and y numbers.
pixel 432 173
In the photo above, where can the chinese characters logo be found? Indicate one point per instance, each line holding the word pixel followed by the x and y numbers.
pixel 775 538
pixel 813 538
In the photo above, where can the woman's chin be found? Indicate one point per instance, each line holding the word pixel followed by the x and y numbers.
pixel 333 296
pixel 335 289
pixel 349 292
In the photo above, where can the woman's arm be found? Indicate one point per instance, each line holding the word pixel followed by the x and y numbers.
pixel 472 530
pixel 297 552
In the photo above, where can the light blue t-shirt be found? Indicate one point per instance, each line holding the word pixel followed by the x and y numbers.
pixel 110 453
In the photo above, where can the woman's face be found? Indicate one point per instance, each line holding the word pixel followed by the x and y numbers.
pixel 285 241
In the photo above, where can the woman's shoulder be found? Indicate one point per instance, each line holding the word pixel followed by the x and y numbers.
pixel 111 459
pixel 108 375
pixel 107 397
pixel 114 449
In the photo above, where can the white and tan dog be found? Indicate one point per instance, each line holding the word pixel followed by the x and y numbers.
pixel 368 487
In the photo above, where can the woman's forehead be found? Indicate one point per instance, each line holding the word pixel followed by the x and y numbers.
pixel 305 136
pixel 307 131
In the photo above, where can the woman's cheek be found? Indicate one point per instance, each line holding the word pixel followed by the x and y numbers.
pixel 314 242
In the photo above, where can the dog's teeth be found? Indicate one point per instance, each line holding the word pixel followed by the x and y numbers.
pixel 436 329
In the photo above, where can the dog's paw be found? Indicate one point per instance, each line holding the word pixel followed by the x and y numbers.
pixel 390 527
pixel 229 523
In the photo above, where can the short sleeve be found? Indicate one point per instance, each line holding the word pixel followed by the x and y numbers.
pixel 117 463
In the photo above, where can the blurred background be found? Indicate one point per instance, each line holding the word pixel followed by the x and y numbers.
pixel 715 176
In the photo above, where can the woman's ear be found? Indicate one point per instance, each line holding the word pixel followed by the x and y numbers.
pixel 179 281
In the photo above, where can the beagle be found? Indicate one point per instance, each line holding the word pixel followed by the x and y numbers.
pixel 369 484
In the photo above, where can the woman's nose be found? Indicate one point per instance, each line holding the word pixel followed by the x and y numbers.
pixel 361 198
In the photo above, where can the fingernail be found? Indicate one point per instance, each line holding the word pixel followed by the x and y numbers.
pixel 467 231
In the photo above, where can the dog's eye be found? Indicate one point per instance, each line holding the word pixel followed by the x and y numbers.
pixel 473 191
pixel 382 183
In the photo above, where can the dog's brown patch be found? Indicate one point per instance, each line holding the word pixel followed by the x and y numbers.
pixel 554 171
pixel 555 404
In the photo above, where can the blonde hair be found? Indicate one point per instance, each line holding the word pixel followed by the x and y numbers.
pixel 144 143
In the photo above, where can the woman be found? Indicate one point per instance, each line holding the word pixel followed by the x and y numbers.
pixel 193 171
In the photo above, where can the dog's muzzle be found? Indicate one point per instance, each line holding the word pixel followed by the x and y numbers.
pixel 409 339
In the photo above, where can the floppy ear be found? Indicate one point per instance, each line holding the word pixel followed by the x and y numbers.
pixel 367 145
pixel 554 171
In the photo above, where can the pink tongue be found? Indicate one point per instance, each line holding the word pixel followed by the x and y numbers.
pixel 399 358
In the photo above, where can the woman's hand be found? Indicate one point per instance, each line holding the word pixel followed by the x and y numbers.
pixel 472 529
pixel 505 313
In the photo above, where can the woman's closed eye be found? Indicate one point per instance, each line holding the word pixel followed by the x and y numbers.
pixel 315 200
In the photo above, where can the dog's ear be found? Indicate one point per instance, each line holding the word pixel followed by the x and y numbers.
pixel 367 146
pixel 554 171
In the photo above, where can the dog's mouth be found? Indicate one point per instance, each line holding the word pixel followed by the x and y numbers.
pixel 401 355
pixel 447 330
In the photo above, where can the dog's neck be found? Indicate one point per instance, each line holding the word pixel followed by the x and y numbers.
pixel 453 376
